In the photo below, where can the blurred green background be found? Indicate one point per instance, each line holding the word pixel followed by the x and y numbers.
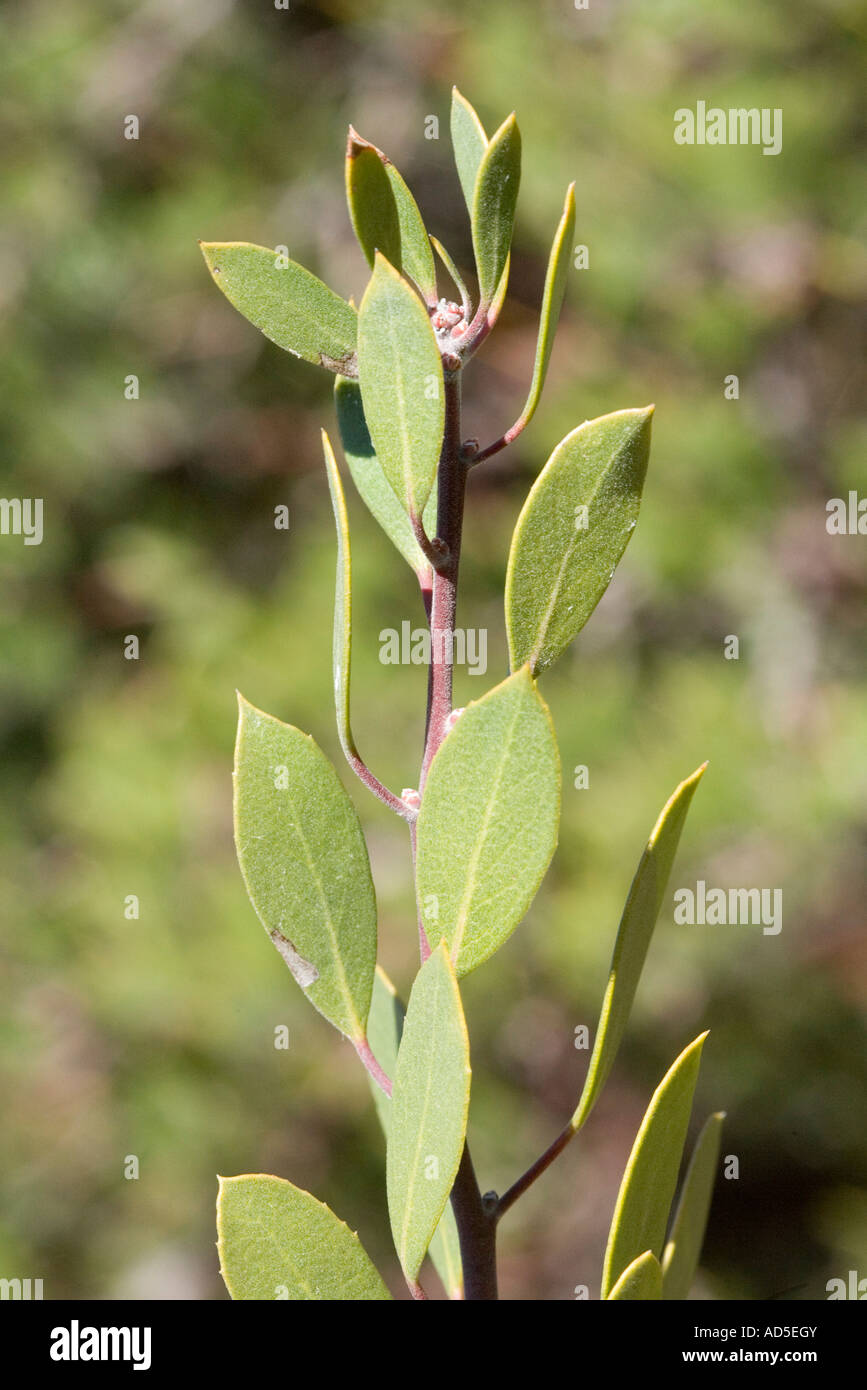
pixel 155 1037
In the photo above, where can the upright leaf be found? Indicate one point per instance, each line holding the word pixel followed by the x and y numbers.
pixel 633 939
pixel 305 865
pixel 487 827
pixel 342 641
pixel 372 207
pixel 278 1242
pixel 374 488
pixel 386 216
pixel 644 1201
pixel 384 1030
pixel 400 371
pixel 469 142
pixel 454 274
pixel 683 1248
pixel 552 301
pixel 642 1280
pixel 573 529
pixel 494 201
pixel 416 256
pixel 286 302
pixel 429 1110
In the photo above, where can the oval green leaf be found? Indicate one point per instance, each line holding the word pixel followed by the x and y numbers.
pixel 429 1106
pixel 552 302
pixel 647 1189
pixel 469 143
pixel 683 1248
pixel 305 866
pixel 374 488
pixel 633 939
pixel 494 201
pixel 401 376
pixel 278 1242
pixel 641 1281
pixel 487 826
pixel 572 531
pixel 384 1031
pixel 285 302
pixel 372 207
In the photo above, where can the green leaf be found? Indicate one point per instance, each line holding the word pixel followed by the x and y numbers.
pixel 400 371
pixel 644 1201
pixel 455 275
pixel 386 216
pixel 469 142
pixel 372 207
pixel 573 529
pixel 305 865
pixel 500 297
pixel 494 200
pixel 342 642
pixel 384 1029
pixel 278 1242
pixel 416 255
pixel 429 1110
pixel 373 486
pixel 683 1249
pixel 642 1280
pixel 633 939
pixel 288 304
pixel 487 827
pixel 552 301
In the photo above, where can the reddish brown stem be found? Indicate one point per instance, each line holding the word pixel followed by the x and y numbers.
pixel 520 1187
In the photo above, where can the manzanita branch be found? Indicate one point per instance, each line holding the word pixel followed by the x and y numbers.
pixel 487 781
pixel 511 1195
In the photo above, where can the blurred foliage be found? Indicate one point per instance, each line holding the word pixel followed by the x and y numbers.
pixel 155 1037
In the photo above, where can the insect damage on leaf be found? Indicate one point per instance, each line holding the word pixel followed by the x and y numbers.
pixel 303 971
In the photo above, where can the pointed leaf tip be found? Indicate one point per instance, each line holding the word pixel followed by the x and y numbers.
pixel 646 1192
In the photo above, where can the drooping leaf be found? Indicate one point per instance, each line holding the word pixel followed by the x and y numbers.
pixel 373 486
pixel 642 1280
pixel 286 302
pixel 494 200
pixel 400 371
pixel 552 301
pixel 278 1242
pixel 305 865
pixel 573 529
pixel 429 1109
pixel 487 827
pixel 370 197
pixel 633 939
pixel 455 275
pixel 384 1030
pixel 683 1248
pixel 469 142
pixel 647 1189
